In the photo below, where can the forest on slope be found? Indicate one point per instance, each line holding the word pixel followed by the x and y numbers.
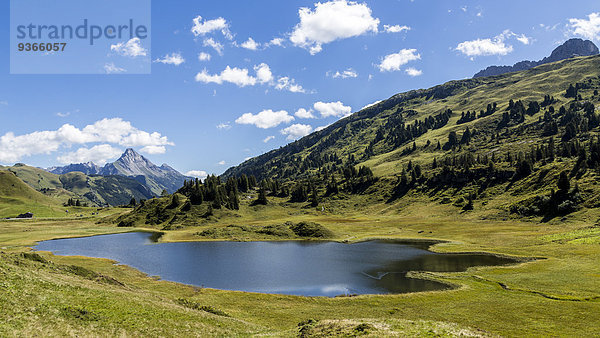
pixel 523 144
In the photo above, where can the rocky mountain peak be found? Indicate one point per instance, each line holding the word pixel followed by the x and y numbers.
pixel 131 156
pixel 132 164
pixel 571 48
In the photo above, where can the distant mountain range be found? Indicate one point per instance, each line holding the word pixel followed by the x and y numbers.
pixel 133 165
pixel 87 168
pixel 571 48
pixel 94 190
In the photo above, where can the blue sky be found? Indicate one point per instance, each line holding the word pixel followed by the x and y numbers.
pixel 308 64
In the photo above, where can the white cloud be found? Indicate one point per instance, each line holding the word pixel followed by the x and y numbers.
pixel 99 154
pixel 132 48
pixel 286 83
pixel 221 163
pixel 549 27
pixel 296 131
pixel 67 113
pixel 201 174
pixel 395 28
pixel 330 21
pixel 321 127
pixel 484 47
pixel 413 71
pixel 110 68
pixel 224 126
pixel 171 59
pixel 369 105
pixel 241 77
pixel 348 73
pixel 336 109
pixel 265 119
pixel 152 150
pixel 111 131
pixel 304 114
pixel 268 138
pixel 494 46
pixel 217 46
pixel 234 75
pixel 524 39
pixel 201 28
pixel 263 73
pixel 589 29
pixel 250 44
pixel 276 42
pixel 4 103
pixel 393 62
pixel 204 57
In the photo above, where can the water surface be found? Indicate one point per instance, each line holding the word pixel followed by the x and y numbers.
pixel 290 267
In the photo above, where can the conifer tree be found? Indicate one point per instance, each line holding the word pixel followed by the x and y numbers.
pixel 234 202
pixel 563 182
pixel 314 198
pixel 466 137
pixel 262 197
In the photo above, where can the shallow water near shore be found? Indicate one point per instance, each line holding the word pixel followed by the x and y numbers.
pixel 305 268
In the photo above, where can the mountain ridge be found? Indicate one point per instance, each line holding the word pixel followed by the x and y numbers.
pixel 570 48
pixel 91 189
pixel 132 164
pixel 349 137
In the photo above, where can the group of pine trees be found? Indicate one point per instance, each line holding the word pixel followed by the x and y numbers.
pixel 321 174
pixel 226 194
pixel 73 203
pixel 398 132
pixel 472 116
pixel 217 193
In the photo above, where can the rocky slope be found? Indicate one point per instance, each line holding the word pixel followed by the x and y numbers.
pixel 89 168
pixel 133 165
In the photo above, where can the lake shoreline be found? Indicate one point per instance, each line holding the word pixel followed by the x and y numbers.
pixel 412 273
pixel 526 281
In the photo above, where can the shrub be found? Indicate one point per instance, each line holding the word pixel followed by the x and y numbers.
pixel 310 229
pixel 305 326
pixel 79 313
pixel 187 206
pixel 196 306
pixel 126 223
pixel 34 257
pixel 363 328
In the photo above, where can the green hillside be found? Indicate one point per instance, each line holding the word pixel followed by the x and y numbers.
pixel 348 140
pixel 94 190
pixel 519 145
pixel 16 198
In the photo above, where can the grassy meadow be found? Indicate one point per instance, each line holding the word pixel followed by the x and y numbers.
pixel 555 294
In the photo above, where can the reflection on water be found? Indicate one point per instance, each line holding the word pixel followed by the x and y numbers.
pixel 292 267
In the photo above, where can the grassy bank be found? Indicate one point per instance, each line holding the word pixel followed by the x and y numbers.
pixel 557 295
